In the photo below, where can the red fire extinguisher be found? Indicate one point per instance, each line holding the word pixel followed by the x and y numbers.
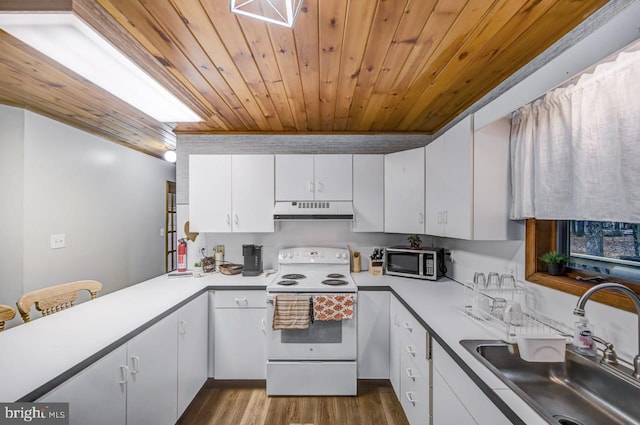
pixel 182 255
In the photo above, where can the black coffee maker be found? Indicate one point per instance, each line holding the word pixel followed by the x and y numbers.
pixel 252 260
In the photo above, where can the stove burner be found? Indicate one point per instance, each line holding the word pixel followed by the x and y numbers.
pixel 334 282
pixel 335 276
pixel 294 276
pixel 287 282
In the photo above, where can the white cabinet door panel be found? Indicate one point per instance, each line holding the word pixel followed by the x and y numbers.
pixel 373 335
pixel 96 395
pixel 458 185
pixel 193 350
pixel 404 191
pixel 436 175
pixel 240 345
pixel 294 178
pixel 252 193
pixel 395 309
pixel 447 409
pixel 333 177
pixel 210 193
pixel 152 390
pixel 368 193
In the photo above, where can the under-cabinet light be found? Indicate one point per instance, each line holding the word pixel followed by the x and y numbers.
pixel 279 12
pixel 69 41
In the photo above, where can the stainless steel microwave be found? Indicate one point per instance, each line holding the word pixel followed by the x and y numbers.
pixel 425 263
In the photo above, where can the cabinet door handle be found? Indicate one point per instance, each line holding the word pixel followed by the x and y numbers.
pixel 263 326
pixel 310 186
pixel 439 217
pixel 242 300
pixel 410 374
pixel 124 372
pixel 446 217
pixel 235 218
pixel 182 327
pixel 320 186
pixel 407 326
pixel 135 360
pixel 228 219
pixel 409 396
pixel 395 320
pixel 410 350
pixel 420 218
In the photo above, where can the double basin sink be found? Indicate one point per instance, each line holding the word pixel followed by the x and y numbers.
pixel 578 391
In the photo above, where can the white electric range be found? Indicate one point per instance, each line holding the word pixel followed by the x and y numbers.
pixel 320 360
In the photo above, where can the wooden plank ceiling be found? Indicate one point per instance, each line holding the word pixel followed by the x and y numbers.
pixel 356 66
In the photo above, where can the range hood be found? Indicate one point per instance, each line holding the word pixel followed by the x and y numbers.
pixel 313 210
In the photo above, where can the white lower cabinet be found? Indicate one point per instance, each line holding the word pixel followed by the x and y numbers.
pixel 142 381
pixel 240 344
pixel 152 391
pixel 456 398
pixel 98 394
pixel 373 335
pixel 134 384
pixel 193 333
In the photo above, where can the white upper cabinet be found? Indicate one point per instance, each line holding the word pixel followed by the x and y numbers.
pixel 404 191
pixel 449 183
pixel 467 183
pixel 368 193
pixel 314 177
pixel 210 193
pixel 231 193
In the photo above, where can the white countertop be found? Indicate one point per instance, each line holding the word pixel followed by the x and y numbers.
pixel 32 354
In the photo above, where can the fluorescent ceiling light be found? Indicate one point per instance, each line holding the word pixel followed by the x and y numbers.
pixel 280 12
pixel 69 41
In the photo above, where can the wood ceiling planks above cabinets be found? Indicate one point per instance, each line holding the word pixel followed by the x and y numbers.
pixel 347 66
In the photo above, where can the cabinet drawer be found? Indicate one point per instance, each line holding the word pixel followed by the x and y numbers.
pixel 415 393
pixel 241 299
pixel 413 339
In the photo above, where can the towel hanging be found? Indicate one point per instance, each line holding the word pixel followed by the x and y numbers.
pixel 333 307
pixel 291 312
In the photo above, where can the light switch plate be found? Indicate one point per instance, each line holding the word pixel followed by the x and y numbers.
pixel 58 241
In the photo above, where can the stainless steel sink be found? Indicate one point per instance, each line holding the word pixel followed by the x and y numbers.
pixel 576 391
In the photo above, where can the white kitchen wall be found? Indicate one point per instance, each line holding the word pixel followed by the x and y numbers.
pixel 12 178
pixel 108 200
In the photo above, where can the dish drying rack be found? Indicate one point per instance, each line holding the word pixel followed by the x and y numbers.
pixel 526 323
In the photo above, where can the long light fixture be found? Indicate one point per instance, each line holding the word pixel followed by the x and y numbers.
pixel 69 41
pixel 279 12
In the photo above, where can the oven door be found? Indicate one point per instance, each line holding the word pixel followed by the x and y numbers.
pixel 323 340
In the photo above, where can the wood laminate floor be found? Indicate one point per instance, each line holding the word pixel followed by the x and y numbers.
pixel 246 403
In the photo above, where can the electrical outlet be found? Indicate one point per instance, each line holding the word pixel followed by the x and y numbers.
pixel 58 241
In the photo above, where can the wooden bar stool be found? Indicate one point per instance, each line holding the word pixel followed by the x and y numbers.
pixel 55 298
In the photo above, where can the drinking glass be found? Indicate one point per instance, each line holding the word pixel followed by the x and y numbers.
pixel 507 281
pixel 479 280
pixel 493 280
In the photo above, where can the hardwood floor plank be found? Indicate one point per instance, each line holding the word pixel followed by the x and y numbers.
pixel 246 403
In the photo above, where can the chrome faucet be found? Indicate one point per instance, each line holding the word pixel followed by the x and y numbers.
pixel 579 311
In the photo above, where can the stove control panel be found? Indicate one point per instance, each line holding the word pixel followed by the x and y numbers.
pixel 313 256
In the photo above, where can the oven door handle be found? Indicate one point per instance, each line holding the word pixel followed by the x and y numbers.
pixel 271 298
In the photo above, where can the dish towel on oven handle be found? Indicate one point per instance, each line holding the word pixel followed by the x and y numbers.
pixel 291 312
pixel 333 307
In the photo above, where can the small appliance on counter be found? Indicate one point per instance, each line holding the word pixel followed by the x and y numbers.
pixel 423 263
pixel 252 260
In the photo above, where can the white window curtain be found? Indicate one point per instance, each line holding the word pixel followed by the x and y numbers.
pixel 575 153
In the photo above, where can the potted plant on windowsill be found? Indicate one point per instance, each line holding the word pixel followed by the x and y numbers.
pixel 555 262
